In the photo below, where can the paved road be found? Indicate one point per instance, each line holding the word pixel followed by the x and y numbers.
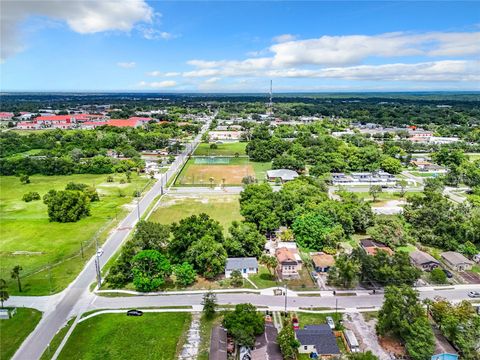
pixel 275 302
pixel 77 294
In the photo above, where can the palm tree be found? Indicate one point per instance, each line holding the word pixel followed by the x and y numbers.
pixel 3 291
pixel 16 275
pixel 211 181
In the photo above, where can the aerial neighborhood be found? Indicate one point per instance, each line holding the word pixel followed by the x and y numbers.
pixel 239 180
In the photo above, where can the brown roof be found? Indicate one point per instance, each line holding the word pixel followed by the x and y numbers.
pixel 284 255
pixel 323 260
pixel 371 247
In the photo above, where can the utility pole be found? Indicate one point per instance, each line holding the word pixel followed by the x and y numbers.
pixel 138 208
pixel 81 248
pixel 99 273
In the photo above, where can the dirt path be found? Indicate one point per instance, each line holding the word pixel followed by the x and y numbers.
pixel 367 336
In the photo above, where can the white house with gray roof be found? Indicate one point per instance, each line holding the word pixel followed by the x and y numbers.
pixel 246 265
pixel 456 261
pixel 281 174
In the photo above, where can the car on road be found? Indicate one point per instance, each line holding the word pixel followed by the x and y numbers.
pixel 99 252
pixel 474 294
pixel 330 322
pixel 134 312
pixel 314 275
pixel 447 273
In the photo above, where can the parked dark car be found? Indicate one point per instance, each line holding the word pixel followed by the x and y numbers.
pixel 134 313
pixel 448 273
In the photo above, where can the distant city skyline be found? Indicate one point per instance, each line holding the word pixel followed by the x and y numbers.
pixel 201 46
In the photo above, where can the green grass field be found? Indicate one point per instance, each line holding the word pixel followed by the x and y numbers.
pixel 30 240
pixel 195 174
pixel 13 331
pixel 223 208
pixel 117 336
pixel 263 279
pixel 473 156
pixel 227 149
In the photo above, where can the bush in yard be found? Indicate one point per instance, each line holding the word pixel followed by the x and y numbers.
pixel 438 276
pixel 209 304
pixel 25 179
pixel 213 146
pixel 236 278
pixel 287 341
pixel 67 205
pixel 31 196
pixel 185 274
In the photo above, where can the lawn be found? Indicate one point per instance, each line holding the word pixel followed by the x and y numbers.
pixel 263 279
pixel 206 326
pixel 223 208
pixel 476 268
pixel 117 336
pixel 30 240
pixel 13 331
pixel 226 149
pixel 305 318
pixel 407 248
pixel 473 156
pixel 229 171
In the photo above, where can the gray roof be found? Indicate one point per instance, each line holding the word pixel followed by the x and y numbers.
pixel 420 257
pixel 241 263
pixel 455 258
pixel 321 336
pixel 218 344
pixel 284 174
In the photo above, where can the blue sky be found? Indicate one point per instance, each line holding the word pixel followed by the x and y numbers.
pixel 222 46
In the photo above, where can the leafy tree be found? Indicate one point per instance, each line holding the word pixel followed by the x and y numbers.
pixel 345 272
pixel 236 278
pixel 15 274
pixel 245 240
pixel 150 269
pixel 288 342
pixel 31 196
pixel 391 165
pixel 403 315
pixel 67 206
pixel 316 230
pixel 150 235
pixel 209 304
pixel 88 190
pixel 288 162
pixel 270 262
pixel 375 190
pixel 244 324
pixel 438 276
pixel 3 291
pixel 25 179
pixel 257 205
pixel 389 231
pixel 402 184
pixel 207 256
pixel 190 230
pixel 185 274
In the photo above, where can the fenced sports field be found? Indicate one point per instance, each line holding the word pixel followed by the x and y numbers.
pixel 220 170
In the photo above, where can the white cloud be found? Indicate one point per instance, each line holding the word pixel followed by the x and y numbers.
pixel 151 33
pixel 284 38
pixel 82 16
pixel 213 80
pixel 172 74
pixel 158 84
pixel 127 65
pixel 344 57
pixel 155 73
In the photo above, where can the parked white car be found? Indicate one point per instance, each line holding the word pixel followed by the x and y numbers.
pixel 330 322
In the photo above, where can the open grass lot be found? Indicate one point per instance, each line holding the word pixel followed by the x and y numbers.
pixel 263 279
pixel 226 149
pixel 117 336
pixel 473 156
pixel 223 208
pixel 206 326
pixel 233 170
pixel 13 331
pixel 30 240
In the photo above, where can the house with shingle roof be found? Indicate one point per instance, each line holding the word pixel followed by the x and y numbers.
pixel 319 340
pixel 423 260
pixel 246 266
pixel 456 261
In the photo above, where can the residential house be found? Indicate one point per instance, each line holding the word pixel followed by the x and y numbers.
pixel 456 261
pixel 364 178
pixel 246 266
pixel 322 262
pixel 4 116
pixel 28 125
pixel 423 165
pixel 319 340
pixel 218 344
pixel 283 175
pixel 372 247
pixel 124 123
pixel 423 260
pixel 289 262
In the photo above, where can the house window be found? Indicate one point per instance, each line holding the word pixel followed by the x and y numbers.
pixel 305 347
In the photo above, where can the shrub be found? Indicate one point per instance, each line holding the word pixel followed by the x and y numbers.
pixel 31 196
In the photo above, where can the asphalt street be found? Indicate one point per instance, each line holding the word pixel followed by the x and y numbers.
pixel 77 293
